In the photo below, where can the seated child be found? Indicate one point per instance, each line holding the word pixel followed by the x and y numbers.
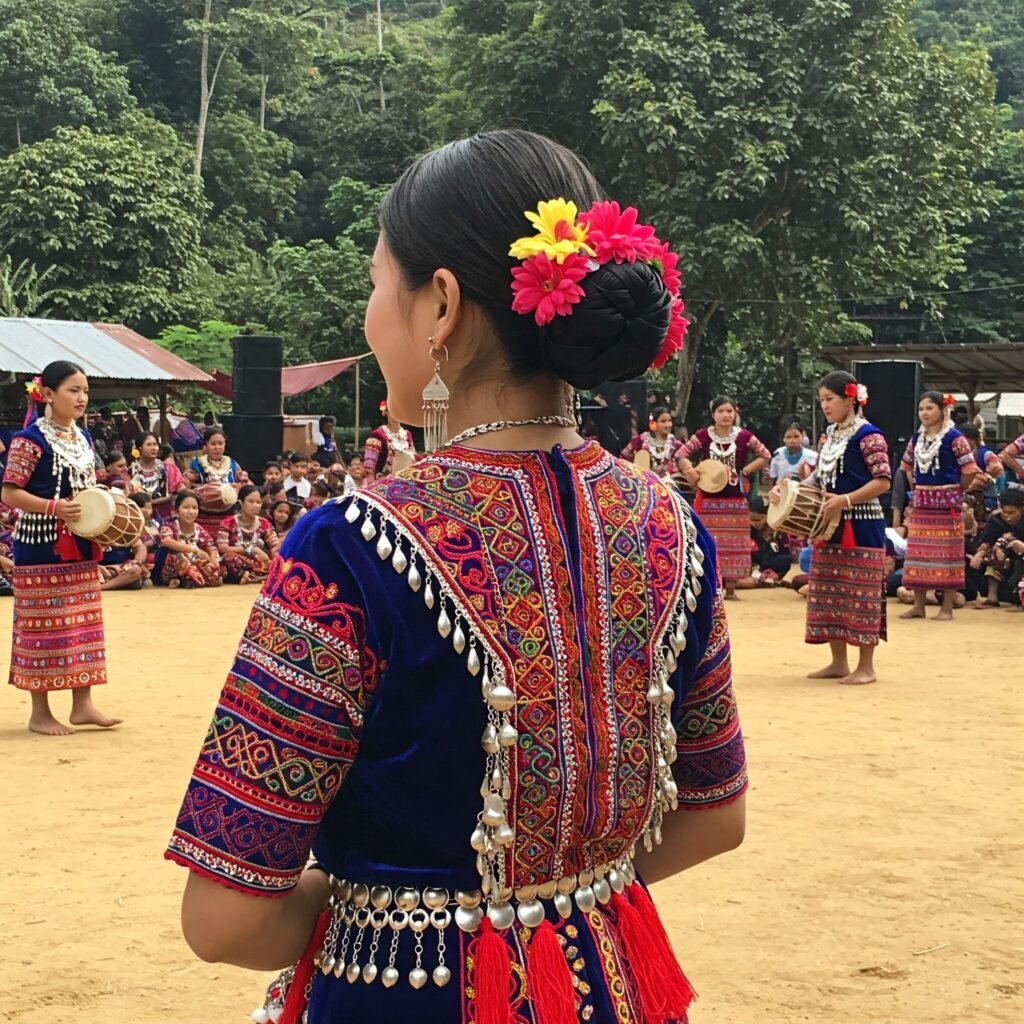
pixel 188 556
pixel 1000 551
pixel 769 551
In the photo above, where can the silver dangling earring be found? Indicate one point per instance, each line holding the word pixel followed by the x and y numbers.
pixel 435 405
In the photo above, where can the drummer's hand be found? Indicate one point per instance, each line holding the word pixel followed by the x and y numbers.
pixel 834 505
pixel 693 477
pixel 774 495
pixel 68 510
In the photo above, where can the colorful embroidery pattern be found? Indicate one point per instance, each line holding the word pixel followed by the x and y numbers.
pixel 712 764
pixel 283 736
pixel 875 450
pixel 588 759
pixel 22 458
pixel 846 598
pixel 58 627
pixel 935 547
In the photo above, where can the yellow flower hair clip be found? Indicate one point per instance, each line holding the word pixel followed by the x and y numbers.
pixel 558 235
pixel 34 389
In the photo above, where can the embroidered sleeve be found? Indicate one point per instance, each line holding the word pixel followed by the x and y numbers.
pixel 907 463
pixel 992 464
pixel 227 532
pixel 712 765
pixel 1015 448
pixel 22 458
pixel 876 456
pixel 194 473
pixel 203 538
pixel 372 453
pixel 692 448
pixel 964 456
pixel 757 448
pixel 287 726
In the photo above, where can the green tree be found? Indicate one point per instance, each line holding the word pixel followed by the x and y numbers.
pixel 22 289
pixel 117 217
pixel 50 75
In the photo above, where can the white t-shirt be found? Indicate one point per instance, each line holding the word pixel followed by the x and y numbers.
pixel 302 488
pixel 781 467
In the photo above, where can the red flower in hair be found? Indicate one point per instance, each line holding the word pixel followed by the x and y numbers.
pixel 673 342
pixel 665 261
pixel 615 235
pixel 850 390
pixel 547 288
pixel 948 401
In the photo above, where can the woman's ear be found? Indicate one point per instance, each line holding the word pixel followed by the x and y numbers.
pixel 446 299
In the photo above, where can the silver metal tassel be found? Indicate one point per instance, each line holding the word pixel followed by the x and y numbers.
pixel 435 411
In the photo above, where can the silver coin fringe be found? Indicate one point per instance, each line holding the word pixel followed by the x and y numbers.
pixel 36 528
pixel 493 835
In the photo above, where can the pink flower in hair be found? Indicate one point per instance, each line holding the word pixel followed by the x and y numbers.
pixel 614 234
pixel 674 339
pixel 546 288
pixel 665 261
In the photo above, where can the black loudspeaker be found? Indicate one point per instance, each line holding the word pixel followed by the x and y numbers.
pixel 894 387
pixel 256 376
pixel 254 440
pixel 624 403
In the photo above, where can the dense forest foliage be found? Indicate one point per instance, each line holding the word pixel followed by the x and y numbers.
pixel 193 166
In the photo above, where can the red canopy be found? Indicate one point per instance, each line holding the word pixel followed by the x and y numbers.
pixel 295 380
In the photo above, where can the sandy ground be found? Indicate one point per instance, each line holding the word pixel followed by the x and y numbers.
pixel 881 878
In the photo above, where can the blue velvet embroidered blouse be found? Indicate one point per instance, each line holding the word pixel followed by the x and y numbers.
pixel 351 720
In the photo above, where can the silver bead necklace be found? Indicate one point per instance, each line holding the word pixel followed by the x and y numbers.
pixel 491 428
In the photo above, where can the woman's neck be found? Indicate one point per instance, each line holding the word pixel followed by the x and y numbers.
pixel 62 423
pixel 147 463
pixel 246 519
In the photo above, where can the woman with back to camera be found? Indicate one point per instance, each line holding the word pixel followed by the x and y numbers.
pixel 489 677
pixel 939 464
pixel 49 462
pixel 726 512
pixel 846 593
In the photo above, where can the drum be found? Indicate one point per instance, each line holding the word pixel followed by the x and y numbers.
pixel 217 497
pixel 713 476
pixel 799 511
pixel 108 518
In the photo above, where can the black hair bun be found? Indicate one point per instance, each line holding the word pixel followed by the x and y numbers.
pixel 615 331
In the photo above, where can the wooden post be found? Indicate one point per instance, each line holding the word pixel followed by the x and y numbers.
pixel 165 423
pixel 355 443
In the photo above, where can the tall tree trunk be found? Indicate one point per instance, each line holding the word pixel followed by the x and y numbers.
pixel 263 100
pixel 380 49
pixel 17 131
pixel 688 359
pixel 790 378
pixel 207 85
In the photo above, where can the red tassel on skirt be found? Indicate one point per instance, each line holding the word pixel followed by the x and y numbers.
pixel 644 960
pixel 849 542
pixel 549 980
pixel 66 548
pixel 493 975
pixel 295 1001
pixel 679 992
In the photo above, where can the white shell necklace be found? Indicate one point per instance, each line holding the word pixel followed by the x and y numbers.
pixel 830 459
pixel 928 450
pixel 71 451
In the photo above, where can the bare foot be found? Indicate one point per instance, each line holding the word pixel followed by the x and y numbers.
pixel 47 725
pixel 980 606
pixel 91 715
pixel 731 595
pixel 943 616
pixel 913 614
pixel 830 672
pixel 173 584
pixel 858 678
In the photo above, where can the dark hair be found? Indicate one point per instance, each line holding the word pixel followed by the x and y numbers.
pixel 105 412
pixel 271 465
pixel 324 420
pixel 211 432
pixel 349 456
pixel 461 207
pixel 795 426
pixel 114 455
pixel 166 451
pixel 935 397
pixel 141 498
pixel 837 382
pixel 298 457
pixel 971 432
pixel 758 506
pixel 180 497
pixel 140 439
pixel 275 488
pixel 720 400
pixel 54 374
pixel 292 509
pixel 658 411
pixel 245 491
pixel 322 488
pixel 209 419
pixel 286 456
pixel 1013 497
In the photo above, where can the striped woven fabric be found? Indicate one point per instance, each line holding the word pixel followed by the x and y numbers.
pixel 935 550
pixel 728 521
pixel 846 596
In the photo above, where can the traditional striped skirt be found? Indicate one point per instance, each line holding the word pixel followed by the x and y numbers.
pixel 846 596
pixel 728 521
pixel 935 546
pixel 58 627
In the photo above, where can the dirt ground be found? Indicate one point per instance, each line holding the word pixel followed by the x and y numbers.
pixel 882 878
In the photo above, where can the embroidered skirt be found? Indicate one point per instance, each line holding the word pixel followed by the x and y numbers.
pixel 237 565
pixel 58 627
pixel 189 574
pixel 935 549
pixel 728 521
pixel 846 596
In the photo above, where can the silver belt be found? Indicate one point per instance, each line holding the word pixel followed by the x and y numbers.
pixel 866 510
pixel 361 910
pixel 36 528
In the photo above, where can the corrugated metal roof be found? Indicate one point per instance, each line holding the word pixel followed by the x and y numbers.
pixel 104 351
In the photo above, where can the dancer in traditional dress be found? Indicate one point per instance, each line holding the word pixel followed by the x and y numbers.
pixel 846 594
pixel 48 463
pixel 384 444
pixel 213 466
pixel 160 480
pixel 520 608
pixel 188 555
pixel 246 541
pixel 939 464
pixel 1013 458
pixel 659 442
pixel 726 513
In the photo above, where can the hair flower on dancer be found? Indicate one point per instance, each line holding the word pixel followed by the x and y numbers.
pixel 34 389
pixel 858 392
pixel 948 401
pixel 567 248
